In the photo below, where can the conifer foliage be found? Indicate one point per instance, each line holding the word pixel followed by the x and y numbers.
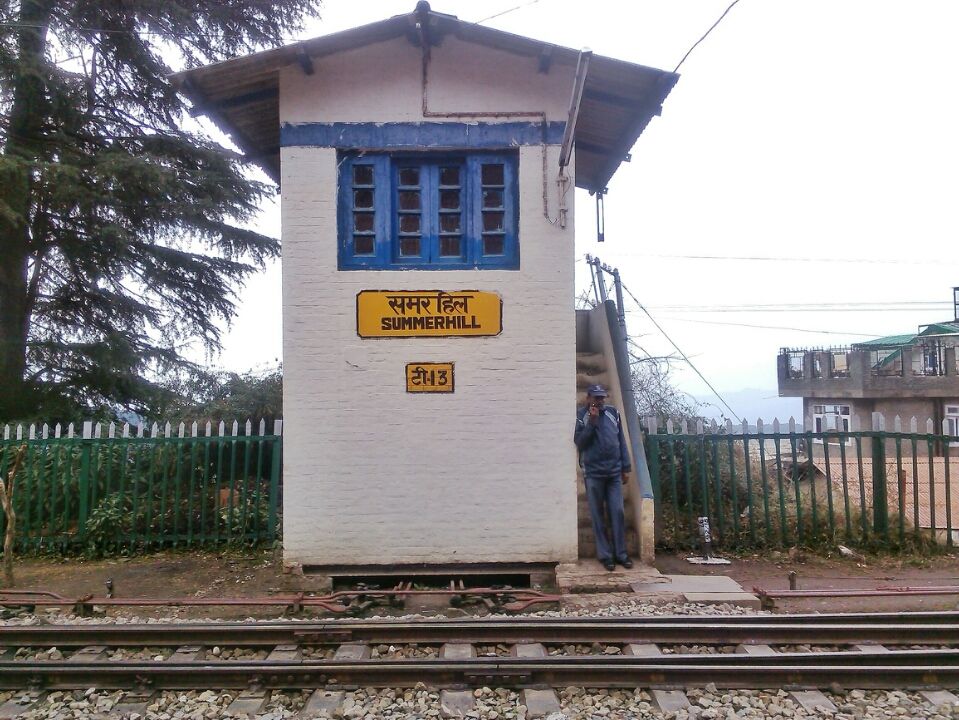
pixel 120 237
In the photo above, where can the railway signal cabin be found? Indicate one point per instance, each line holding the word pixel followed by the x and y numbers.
pixel 427 169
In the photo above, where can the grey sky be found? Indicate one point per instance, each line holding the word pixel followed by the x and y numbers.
pixel 799 129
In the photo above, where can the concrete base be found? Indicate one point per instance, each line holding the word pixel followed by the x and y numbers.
pixel 456 703
pixel 589 576
pixel 248 703
pixel 813 700
pixel 940 698
pixel 670 701
pixel 704 589
pixel 20 703
pixel 742 599
pixel 540 703
pixel 323 702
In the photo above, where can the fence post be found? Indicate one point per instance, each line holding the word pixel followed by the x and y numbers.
pixel 880 499
pixel 84 480
pixel 275 476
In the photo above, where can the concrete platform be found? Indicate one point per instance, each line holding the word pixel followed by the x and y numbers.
pixel 589 576
pixel 703 589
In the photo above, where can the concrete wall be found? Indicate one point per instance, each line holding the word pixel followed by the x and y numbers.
pixel 373 475
pixel 861 383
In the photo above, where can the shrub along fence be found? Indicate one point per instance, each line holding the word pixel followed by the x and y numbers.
pixel 108 489
pixel 779 487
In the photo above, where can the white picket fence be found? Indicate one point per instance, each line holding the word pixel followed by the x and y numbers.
pixel 878 423
pixel 89 429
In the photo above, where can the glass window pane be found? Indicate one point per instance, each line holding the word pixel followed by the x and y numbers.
pixel 492 222
pixel 449 199
pixel 409 176
pixel 362 174
pixel 450 222
pixel 409 223
pixel 363 222
pixel 493 245
pixel 493 174
pixel 363 198
pixel 409 246
pixel 410 200
pixel 450 245
pixel 449 176
pixel 492 198
pixel 363 244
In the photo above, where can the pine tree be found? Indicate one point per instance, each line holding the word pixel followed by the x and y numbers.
pixel 120 237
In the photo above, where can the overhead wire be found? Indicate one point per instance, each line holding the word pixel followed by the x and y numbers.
pixel 773 327
pixel 705 35
pixel 506 12
pixel 785 259
pixel 684 356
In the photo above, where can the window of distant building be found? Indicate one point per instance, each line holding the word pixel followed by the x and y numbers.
pixel 830 419
pixel 428 212
pixel 952 422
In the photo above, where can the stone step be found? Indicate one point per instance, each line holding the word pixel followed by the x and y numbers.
pixel 590 362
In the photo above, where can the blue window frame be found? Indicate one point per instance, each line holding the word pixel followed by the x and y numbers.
pixel 428 211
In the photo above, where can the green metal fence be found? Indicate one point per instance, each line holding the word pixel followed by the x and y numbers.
pixel 110 488
pixel 786 486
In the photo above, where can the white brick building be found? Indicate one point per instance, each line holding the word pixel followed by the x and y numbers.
pixel 423 154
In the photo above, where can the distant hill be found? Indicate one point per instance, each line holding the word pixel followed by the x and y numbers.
pixel 753 403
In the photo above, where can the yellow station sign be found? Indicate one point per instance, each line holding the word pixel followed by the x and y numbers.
pixel 428 313
pixel 429 377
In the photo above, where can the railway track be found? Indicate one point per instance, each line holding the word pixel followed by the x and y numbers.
pixel 862 651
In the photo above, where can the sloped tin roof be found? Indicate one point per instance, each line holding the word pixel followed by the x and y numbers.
pixel 889 341
pixel 619 98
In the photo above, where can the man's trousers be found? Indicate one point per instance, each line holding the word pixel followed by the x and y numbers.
pixel 606 493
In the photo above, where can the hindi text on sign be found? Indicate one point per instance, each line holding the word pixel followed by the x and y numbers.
pixel 428 313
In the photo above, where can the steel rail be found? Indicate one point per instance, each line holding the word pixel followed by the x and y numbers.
pixel 888 629
pixel 907 669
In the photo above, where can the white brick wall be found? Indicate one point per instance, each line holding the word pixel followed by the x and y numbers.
pixel 373 475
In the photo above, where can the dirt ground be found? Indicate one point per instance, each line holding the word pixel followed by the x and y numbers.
pixel 257 573
pixel 816 572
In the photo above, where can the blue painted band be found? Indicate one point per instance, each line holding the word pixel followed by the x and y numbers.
pixel 420 135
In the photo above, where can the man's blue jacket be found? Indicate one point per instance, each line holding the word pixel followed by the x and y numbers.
pixel 602 445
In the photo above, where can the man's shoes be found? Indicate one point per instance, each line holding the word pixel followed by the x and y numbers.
pixel 626 563
pixel 609 565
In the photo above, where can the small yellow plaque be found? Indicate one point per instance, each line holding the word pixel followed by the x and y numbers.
pixel 429 377
pixel 428 313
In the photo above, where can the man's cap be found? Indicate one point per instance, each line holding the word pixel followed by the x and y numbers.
pixel 597 391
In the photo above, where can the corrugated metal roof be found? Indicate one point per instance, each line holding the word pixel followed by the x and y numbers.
pixel 943 328
pixel 889 341
pixel 619 99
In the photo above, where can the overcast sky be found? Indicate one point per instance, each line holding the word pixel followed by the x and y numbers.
pixel 821 133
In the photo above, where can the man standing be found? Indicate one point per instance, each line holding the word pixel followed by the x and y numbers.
pixel 605 459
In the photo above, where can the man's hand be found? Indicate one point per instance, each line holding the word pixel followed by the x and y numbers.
pixel 625 476
pixel 593 413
